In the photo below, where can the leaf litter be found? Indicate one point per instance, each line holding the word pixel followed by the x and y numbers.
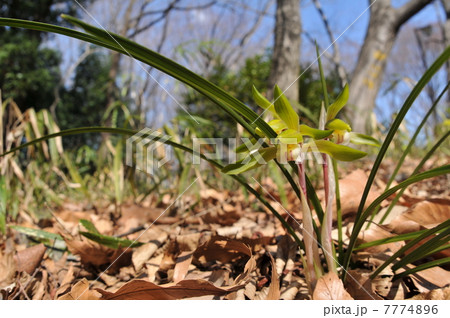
pixel 217 245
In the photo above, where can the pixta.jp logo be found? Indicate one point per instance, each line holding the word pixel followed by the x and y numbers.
pixel 148 149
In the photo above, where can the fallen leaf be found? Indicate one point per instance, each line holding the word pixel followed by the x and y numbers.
pixel 377 233
pixel 144 290
pixel 360 286
pixel 8 267
pixel 67 280
pixel 274 287
pixel 423 215
pixel 351 188
pixel 330 287
pixel 436 294
pixel 81 291
pixel 183 262
pixel 221 249
pixel 30 258
pixel 94 254
pixel 428 279
pixel 145 252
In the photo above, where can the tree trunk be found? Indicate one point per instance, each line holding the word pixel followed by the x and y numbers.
pixel 384 25
pixel 286 52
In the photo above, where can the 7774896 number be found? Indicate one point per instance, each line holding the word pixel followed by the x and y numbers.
pixel 412 309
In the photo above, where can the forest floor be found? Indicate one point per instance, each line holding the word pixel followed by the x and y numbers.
pixel 216 245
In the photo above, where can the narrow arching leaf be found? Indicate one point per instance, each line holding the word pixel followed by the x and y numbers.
pixel 340 102
pixel 361 215
pixel 410 244
pixel 285 110
pixel 110 241
pixel 37 233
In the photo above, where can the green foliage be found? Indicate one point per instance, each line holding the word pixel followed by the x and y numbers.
pixel 110 241
pixel 84 104
pixel 251 122
pixel 29 73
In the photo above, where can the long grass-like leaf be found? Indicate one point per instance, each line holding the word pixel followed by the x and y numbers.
pixel 422 176
pixel 422 267
pixel 396 238
pixel 419 166
pixel 361 215
pixel 414 137
pixel 410 244
pixel 122 45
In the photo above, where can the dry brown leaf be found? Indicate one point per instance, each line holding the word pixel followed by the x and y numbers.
pixel 30 258
pixel 425 214
pixel 378 233
pixel 360 286
pixel 8 267
pixel 436 294
pixel 144 252
pixel 274 287
pixel 183 262
pixel 351 188
pixel 39 288
pixel 330 287
pixel 144 290
pixel 429 279
pixel 221 249
pixel 97 255
pixel 67 280
pixel 81 291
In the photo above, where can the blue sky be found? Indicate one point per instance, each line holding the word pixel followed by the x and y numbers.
pixel 341 14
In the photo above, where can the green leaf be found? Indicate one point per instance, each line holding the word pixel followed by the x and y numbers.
pixel 239 167
pixel 36 233
pixel 338 152
pixel 410 244
pixel 285 110
pixel 397 238
pixel 337 124
pixel 361 139
pixel 223 99
pixel 88 225
pixel 110 241
pixel 261 101
pixel 361 215
pixel 314 133
pixel 340 102
pixel 421 267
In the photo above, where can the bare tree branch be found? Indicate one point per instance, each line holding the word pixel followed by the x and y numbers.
pixel 256 24
pixel 408 10
pixel 336 56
